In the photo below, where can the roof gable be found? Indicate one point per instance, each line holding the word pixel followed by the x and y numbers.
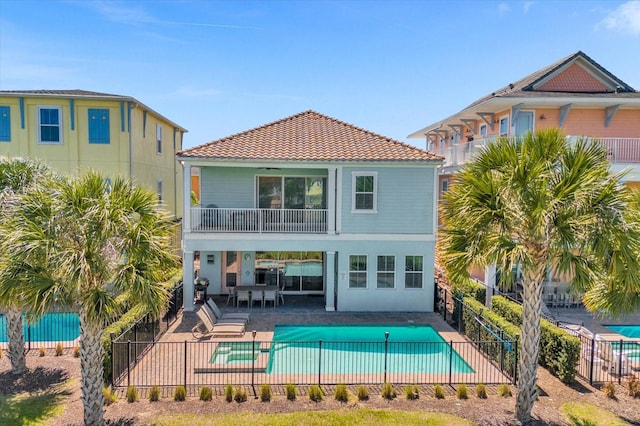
pixel 574 78
pixel 308 136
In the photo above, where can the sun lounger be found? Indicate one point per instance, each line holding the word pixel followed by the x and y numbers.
pixel 213 319
pixel 211 305
pixel 206 328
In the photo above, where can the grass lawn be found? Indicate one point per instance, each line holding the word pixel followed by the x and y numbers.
pixel 335 417
pixel 584 414
pixel 31 409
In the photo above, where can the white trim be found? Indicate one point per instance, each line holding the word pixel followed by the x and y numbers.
pixel 60 124
pixel 338 211
pixel 354 176
pixel 231 236
pixel 186 199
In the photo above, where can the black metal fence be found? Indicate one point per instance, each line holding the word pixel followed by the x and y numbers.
pixel 499 348
pixel 252 363
pixel 145 332
pixel 606 361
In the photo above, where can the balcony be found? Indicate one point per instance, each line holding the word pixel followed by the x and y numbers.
pixel 300 221
pixel 621 150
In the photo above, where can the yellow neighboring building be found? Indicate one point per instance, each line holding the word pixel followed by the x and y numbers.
pixel 75 131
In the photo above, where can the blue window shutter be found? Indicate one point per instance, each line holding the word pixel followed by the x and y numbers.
pixel 98 125
pixel 5 124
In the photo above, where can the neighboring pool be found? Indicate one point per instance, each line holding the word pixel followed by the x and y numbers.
pixel 53 327
pixel 361 349
pixel 631 349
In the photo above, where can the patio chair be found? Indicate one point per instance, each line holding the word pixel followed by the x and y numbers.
pixel 256 296
pixel 231 295
pixel 211 305
pixel 269 296
pixel 280 290
pixel 213 319
pixel 243 296
pixel 205 328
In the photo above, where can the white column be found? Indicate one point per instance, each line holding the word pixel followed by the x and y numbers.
pixel 330 284
pixel 331 201
pixel 187 280
pixel 490 283
pixel 186 198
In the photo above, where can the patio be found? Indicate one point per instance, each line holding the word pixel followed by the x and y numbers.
pixel 179 358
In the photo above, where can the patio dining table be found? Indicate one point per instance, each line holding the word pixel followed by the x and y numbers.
pixel 257 289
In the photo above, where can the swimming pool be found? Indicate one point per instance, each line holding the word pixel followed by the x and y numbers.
pixel 630 349
pixel 339 349
pixel 235 353
pixel 52 327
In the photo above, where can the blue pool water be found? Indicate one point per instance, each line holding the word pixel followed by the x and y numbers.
pixel 53 327
pixel 361 349
pixel 631 349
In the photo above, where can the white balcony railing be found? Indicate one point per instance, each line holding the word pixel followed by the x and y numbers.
pixel 306 221
pixel 621 150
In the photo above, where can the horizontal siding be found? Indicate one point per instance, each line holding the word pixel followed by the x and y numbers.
pixel 405 202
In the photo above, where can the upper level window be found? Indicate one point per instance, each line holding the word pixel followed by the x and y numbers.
pixel 5 123
pixel 99 125
pixel 445 185
pixel 365 185
pixel 49 124
pixel 504 126
pixel 357 271
pixel 159 138
pixel 483 130
pixel 413 272
pixel 386 271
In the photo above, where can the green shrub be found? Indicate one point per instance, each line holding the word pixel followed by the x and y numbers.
pixel 228 393
pixel 341 393
pixel 363 393
pixel 290 390
pixel 609 390
pixel 180 393
pixel 411 392
pixel 559 351
pixel 205 393
pixel 481 391
pixel 504 390
pixel 265 393
pixel 388 392
pixel 470 288
pixel 315 393
pixel 76 352
pixel 59 349
pixel 132 394
pixel 633 387
pixel 154 394
pixel 462 392
pixel 438 391
pixel 240 395
pixel 109 395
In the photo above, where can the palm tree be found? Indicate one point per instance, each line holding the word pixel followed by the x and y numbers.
pixel 541 202
pixel 17 176
pixel 95 249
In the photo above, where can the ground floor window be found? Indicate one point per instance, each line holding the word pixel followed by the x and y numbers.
pixel 386 271
pixel 301 271
pixel 357 271
pixel 413 272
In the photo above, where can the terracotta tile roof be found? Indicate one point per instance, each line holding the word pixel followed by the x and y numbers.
pixel 309 136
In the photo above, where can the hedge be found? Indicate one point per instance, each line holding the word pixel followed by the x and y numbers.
pixel 470 288
pixel 559 351
pixel 499 352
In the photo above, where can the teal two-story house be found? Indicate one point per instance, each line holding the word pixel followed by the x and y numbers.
pixel 315 206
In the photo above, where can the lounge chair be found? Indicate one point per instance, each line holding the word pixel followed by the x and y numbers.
pixel 215 311
pixel 205 328
pixel 214 319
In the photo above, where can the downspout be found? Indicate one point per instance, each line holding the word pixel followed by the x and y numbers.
pixel 129 108
pixel 175 176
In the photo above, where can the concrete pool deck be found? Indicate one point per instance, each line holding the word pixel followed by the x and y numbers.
pixel 178 357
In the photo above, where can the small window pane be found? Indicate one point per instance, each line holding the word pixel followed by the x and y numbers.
pixel 386 271
pixel 413 272
pixel 357 271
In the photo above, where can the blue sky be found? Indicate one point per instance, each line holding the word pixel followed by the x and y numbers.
pixel 222 67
